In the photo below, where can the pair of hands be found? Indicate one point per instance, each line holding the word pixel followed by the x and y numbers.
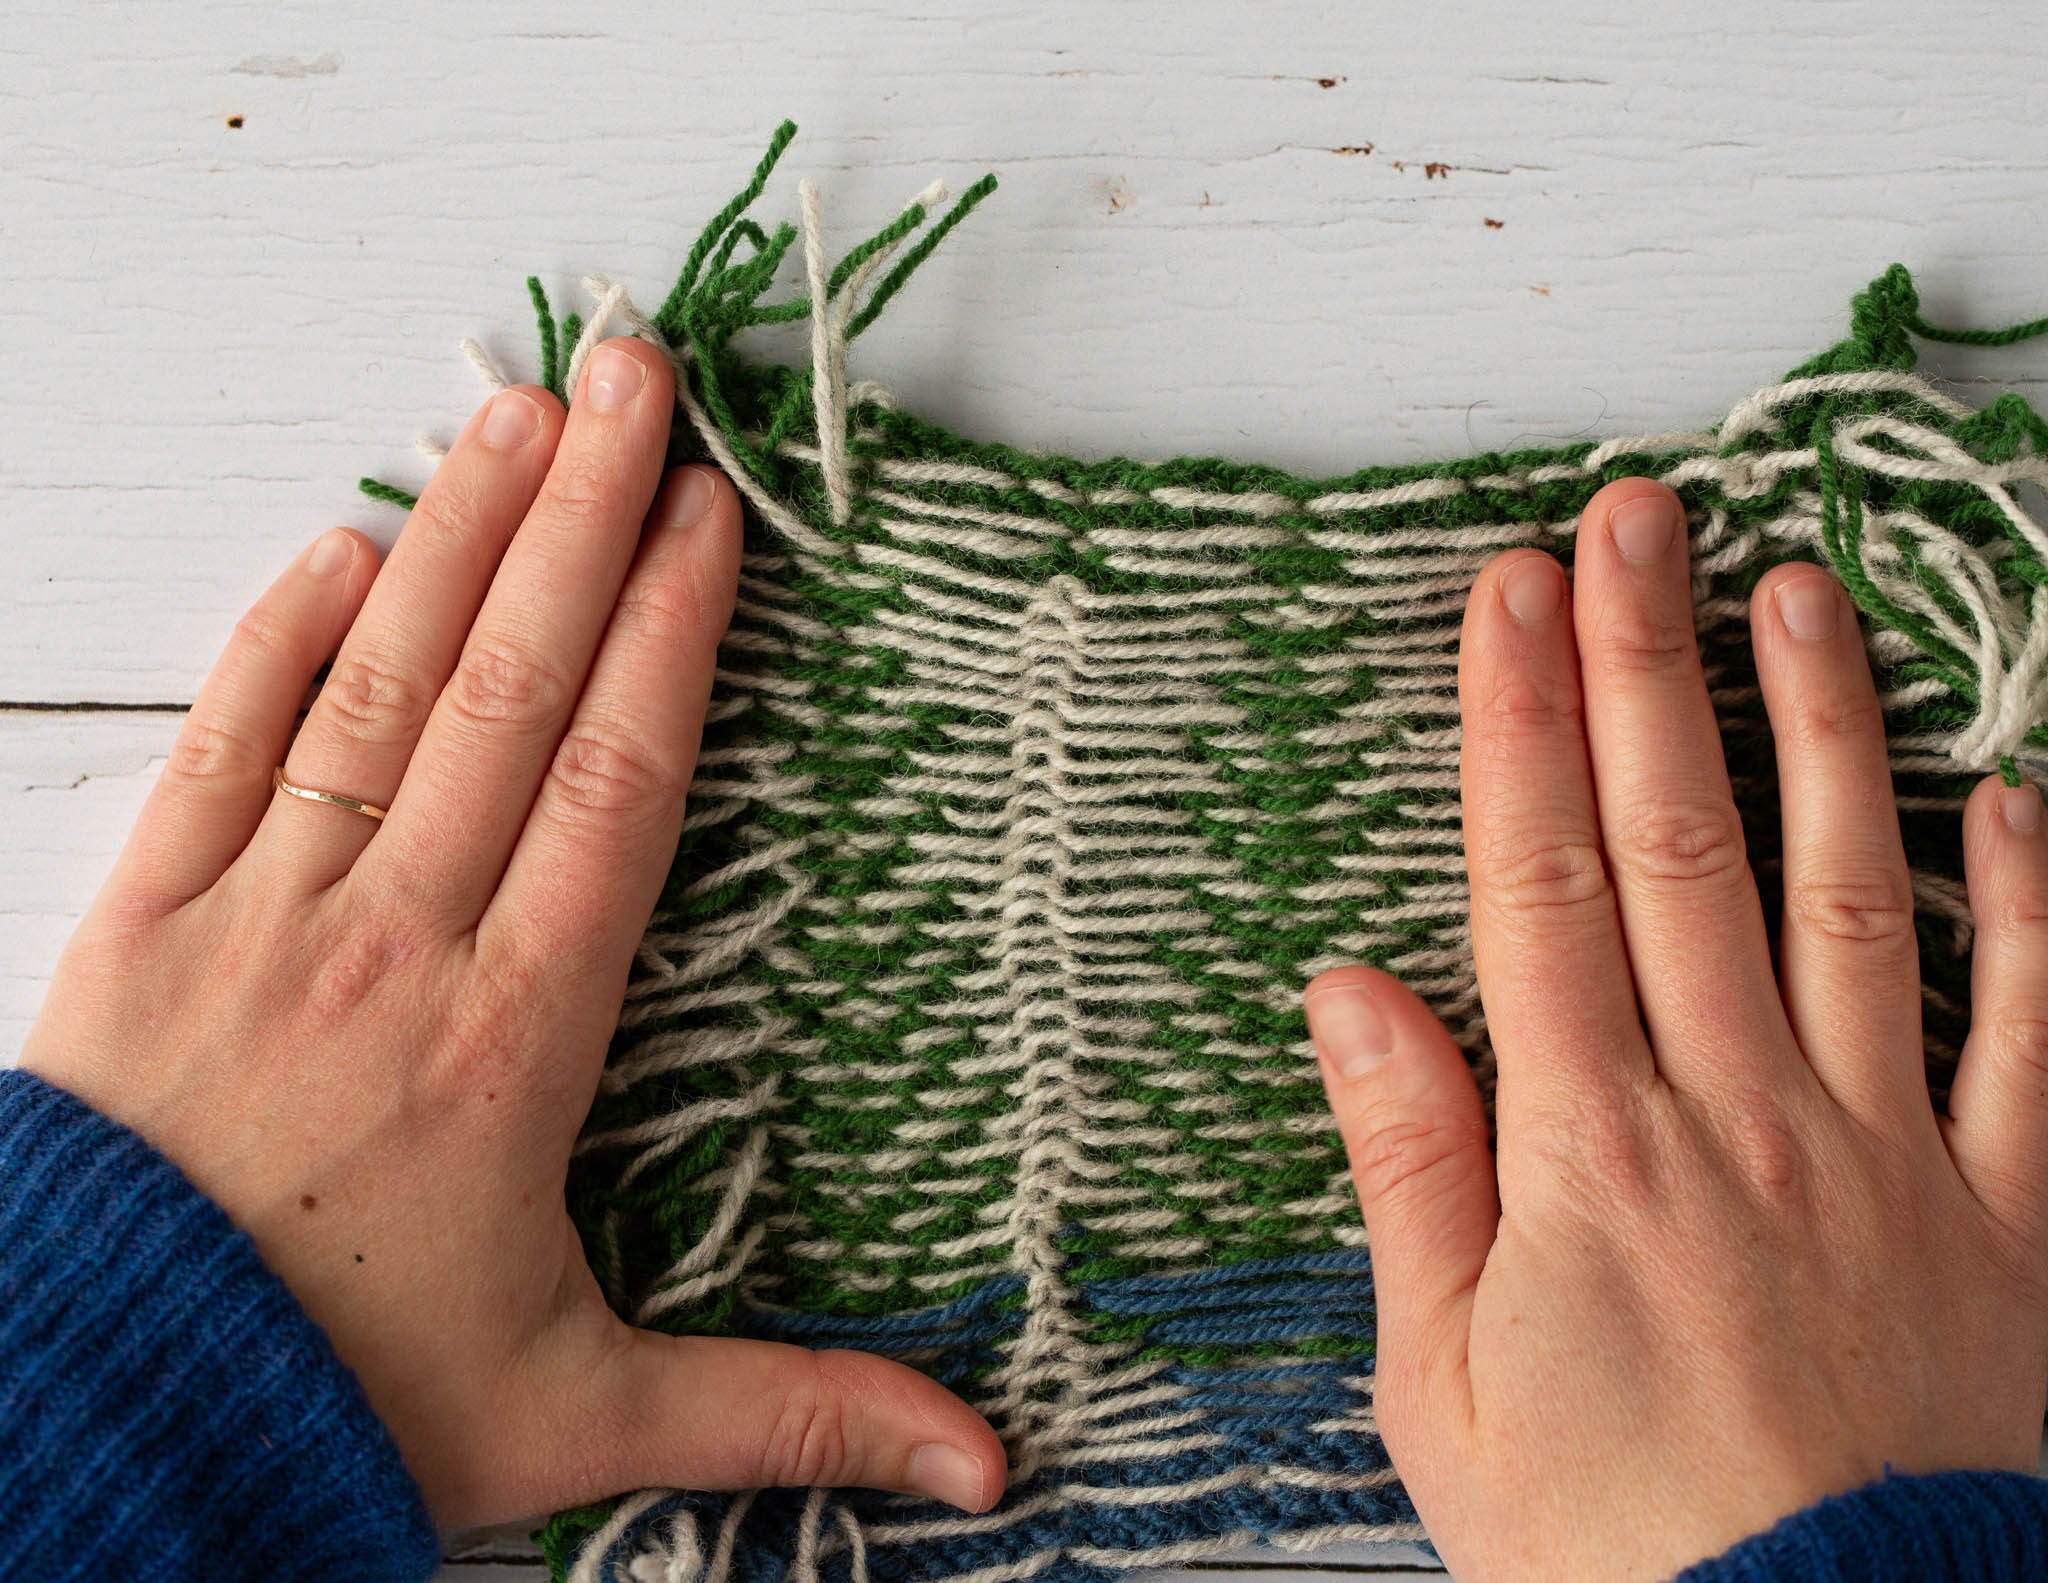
pixel 1728 1259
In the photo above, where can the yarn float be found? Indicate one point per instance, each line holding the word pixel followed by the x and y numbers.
pixel 968 1027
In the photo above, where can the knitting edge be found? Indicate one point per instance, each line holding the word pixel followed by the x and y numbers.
pixel 1974 608
pixel 1956 598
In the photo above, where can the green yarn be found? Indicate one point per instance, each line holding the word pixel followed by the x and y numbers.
pixel 1034 789
pixel 389 494
pixel 550 349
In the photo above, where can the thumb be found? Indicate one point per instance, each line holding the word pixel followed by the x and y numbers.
pixel 1409 1112
pixel 707 1413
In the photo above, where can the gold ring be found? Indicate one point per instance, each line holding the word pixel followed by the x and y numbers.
pixel 352 804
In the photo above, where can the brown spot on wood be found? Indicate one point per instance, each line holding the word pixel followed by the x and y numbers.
pixel 1354 148
pixel 1541 291
pixel 1493 225
pixel 1117 194
pixel 235 121
pixel 1328 82
pixel 308 1201
pixel 1435 168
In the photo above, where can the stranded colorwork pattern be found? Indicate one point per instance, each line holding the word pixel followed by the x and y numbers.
pixel 1032 793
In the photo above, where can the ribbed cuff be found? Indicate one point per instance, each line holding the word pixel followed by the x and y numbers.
pixel 1929 1528
pixel 167 1410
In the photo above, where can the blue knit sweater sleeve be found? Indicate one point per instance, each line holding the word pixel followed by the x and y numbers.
pixel 167 1410
pixel 1930 1528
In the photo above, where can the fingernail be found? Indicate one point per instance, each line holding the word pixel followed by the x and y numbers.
pixel 1809 606
pixel 613 378
pixel 1533 589
pixel 1642 528
pixel 694 492
pixel 332 551
pixel 512 419
pixel 2021 806
pixel 946 1473
pixel 1349 1029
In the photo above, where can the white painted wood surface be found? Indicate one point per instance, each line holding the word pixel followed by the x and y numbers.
pixel 1315 235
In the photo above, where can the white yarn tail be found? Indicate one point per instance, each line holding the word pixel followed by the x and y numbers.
pixel 2006 641
pixel 680 1558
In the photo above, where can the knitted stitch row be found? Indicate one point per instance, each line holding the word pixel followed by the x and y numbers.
pixel 1033 790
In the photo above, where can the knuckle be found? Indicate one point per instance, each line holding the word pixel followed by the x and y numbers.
pixel 1680 843
pixel 486 1036
pixel 123 917
pixel 581 491
pixel 479 1043
pixel 666 613
pixel 2016 910
pixel 461 521
pixel 356 971
pixel 1767 1151
pixel 1520 706
pixel 1547 876
pixel 206 752
pixel 1598 1152
pixel 371 700
pixel 516 1009
pixel 500 680
pixel 1820 726
pixel 452 502
pixel 809 1441
pixel 1868 909
pixel 260 629
pixel 1415 1159
pixel 1635 644
pixel 601 769
pixel 2017 1043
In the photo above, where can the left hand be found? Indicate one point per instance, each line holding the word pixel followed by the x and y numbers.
pixel 373 1044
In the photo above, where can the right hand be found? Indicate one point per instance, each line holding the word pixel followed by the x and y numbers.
pixel 1731 1260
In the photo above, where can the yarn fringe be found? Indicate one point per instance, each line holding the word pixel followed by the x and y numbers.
pixel 1975 606
pixel 1854 459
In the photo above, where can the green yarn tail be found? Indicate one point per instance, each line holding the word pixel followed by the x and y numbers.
pixel 719 294
pixel 389 494
pixel 724 287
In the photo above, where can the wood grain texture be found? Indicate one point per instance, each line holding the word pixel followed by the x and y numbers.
pixel 70 786
pixel 1255 232
pixel 1308 234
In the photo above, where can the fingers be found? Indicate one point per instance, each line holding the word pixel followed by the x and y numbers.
pixel 1546 937
pixel 694 1412
pixel 1999 1102
pixel 596 848
pixel 1674 844
pixel 1849 965
pixel 493 730
pixel 362 729
pixel 216 783
pixel 1416 1137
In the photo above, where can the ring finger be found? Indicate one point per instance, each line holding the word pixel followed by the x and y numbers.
pixel 361 731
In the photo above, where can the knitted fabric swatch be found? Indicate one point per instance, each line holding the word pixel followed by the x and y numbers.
pixel 968 1028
